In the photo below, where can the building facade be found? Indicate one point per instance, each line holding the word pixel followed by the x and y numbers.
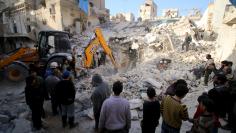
pixel 98 14
pixel 121 17
pixel 148 10
pixel 170 13
pixel 25 16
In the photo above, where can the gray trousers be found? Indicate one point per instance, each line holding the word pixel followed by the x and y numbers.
pixel 68 110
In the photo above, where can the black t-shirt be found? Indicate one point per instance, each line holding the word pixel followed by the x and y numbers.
pixel 151 113
pixel 65 92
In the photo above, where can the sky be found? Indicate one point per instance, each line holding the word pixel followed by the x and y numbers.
pixel 133 6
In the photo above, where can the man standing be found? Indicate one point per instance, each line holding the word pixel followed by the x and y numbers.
pixel 100 94
pixel 50 83
pixel 209 67
pixel 173 111
pixel 187 41
pixel 35 93
pixel 65 93
pixel 115 114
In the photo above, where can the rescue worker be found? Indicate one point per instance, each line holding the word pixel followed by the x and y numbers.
pixel 133 57
pixel 50 82
pixel 209 67
pixel 35 93
pixel 49 70
pixel 187 41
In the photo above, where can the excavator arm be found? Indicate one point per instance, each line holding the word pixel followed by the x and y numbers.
pixel 91 49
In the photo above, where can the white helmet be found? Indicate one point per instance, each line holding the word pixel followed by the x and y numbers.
pixel 54 65
pixel 69 58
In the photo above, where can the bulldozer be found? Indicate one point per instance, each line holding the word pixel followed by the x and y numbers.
pixel 51 46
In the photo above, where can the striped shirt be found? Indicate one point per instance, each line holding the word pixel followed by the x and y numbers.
pixel 173 112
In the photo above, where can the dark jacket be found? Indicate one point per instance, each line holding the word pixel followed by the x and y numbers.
pixel 35 90
pixel 50 83
pixel 188 39
pixel 100 94
pixel 65 92
pixel 151 113
pixel 221 97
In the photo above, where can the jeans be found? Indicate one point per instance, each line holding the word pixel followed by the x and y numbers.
pixel 67 110
pixel 168 129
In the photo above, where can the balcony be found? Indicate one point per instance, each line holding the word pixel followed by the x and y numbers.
pixel 230 15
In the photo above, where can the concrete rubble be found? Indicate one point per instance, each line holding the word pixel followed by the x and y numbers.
pixel 153 42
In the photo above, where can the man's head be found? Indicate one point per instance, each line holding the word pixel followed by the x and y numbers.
pixel 208 56
pixel 224 63
pixel 220 79
pixel 180 81
pixel 151 93
pixel 32 70
pixel 66 75
pixel 53 65
pixel 207 104
pixel 96 80
pixel 181 91
pixel 117 88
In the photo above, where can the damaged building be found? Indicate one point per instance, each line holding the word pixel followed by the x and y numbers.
pixel 148 10
pixel 25 15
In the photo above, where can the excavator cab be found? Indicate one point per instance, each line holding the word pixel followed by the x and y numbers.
pixel 51 42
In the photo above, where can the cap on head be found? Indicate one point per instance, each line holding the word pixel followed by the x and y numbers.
pixel 66 75
pixel 96 79
pixel 69 58
pixel 54 65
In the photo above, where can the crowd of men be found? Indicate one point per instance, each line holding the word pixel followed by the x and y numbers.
pixel 112 112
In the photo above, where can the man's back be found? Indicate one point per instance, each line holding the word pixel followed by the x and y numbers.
pixel 173 112
pixel 100 94
pixel 65 92
pixel 51 82
pixel 115 114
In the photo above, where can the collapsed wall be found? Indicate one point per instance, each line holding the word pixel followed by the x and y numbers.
pixel 226 29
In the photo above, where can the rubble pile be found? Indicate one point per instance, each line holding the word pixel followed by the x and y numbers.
pixel 146 73
pixel 152 42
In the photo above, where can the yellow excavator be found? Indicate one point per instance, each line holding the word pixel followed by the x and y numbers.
pixel 92 47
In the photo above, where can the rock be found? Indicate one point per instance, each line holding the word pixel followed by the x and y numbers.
pixel 140 114
pixel 84 99
pixel 4 118
pixel 89 113
pixel 134 115
pixel 144 96
pixel 21 126
pixel 135 103
pixel 153 83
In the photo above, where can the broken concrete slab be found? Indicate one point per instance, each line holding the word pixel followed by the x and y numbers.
pixel 135 103
pixel 4 118
pixel 21 126
pixel 134 115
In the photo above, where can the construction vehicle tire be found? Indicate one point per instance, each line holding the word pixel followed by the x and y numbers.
pixel 16 72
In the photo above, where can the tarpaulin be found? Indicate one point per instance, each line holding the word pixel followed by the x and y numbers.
pixel 84 5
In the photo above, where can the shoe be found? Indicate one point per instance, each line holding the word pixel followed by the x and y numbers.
pixel 72 123
pixel 64 121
